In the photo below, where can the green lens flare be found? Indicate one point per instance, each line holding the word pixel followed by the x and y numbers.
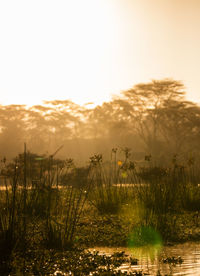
pixel 124 174
pixel 144 240
pixel 39 158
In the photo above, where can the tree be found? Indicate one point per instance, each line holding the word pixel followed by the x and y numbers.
pixel 179 123
pixel 12 129
pixel 141 107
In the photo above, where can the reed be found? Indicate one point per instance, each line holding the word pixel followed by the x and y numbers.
pixel 43 198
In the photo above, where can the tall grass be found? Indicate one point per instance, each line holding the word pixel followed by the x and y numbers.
pixel 11 217
pixel 36 190
pixel 62 223
pixel 49 194
pixel 161 193
pixel 109 193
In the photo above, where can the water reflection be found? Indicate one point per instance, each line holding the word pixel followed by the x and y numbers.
pixel 145 240
pixel 189 253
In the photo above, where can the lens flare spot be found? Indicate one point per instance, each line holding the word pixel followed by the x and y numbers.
pixel 145 241
pixel 39 158
pixel 119 163
pixel 124 174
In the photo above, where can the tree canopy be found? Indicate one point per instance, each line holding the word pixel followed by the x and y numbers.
pixel 152 117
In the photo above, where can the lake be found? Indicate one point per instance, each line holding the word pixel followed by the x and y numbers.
pixel 189 253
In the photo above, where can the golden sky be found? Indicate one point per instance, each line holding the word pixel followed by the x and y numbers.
pixel 86 50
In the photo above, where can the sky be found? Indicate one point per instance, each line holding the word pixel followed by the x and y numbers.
pixel 88 50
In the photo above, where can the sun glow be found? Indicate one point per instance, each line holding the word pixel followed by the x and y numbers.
pixel 55 50
pixel 87 50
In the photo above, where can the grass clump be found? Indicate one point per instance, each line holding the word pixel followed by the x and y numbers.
pixel 51 206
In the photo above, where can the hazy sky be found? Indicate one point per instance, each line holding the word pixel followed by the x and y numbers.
pixel 86 50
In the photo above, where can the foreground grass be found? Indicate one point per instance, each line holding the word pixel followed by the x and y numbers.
pixel 73 262
pixel 93 230
pixel 50 209
pixel 114 230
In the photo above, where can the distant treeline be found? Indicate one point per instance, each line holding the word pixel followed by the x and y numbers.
pixel 152 117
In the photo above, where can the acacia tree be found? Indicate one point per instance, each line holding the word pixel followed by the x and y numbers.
pixel 43 127
pixel 179 123
pixel 13 125
pixel 66 118
pixel 141 106
pixel 107 122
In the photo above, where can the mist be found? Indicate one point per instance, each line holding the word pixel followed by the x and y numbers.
pixel 150 118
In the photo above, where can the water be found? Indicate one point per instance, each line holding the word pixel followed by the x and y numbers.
pixel 189 253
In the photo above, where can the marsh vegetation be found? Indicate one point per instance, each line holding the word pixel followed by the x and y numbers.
pixel 50 207
pixel 53 209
